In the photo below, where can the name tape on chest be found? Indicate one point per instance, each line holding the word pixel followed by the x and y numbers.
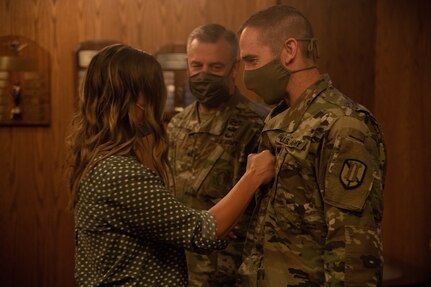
pixel 290 142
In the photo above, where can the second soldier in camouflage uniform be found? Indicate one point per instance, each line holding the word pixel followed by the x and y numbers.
pixel 319 224
pixel 210 141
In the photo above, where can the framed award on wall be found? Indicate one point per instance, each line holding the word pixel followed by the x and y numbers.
pixel 25 96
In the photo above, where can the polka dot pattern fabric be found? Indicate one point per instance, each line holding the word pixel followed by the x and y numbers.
pixel 130 231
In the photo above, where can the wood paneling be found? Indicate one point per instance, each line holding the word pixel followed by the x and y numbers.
pixel 403 105
pixel 36 237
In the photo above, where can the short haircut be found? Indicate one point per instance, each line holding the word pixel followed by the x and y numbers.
pixel 212 33
pixel 279 23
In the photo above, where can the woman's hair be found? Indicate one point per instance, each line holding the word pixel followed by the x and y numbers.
pixel 106 122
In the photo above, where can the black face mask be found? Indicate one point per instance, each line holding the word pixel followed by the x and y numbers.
pixel 210 90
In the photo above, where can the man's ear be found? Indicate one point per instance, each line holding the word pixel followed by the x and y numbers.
pixel 289 51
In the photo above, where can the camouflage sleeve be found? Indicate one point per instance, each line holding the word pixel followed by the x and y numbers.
pixel 172 131
pixel 172 124
pixel 351 177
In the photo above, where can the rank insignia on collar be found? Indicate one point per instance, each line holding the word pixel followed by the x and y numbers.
pixel 352 173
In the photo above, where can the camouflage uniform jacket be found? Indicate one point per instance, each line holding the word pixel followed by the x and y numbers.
pixel 207 159
pixel 319 223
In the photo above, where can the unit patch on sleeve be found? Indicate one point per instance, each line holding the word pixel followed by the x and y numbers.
pixel 352 173
pixel 349 176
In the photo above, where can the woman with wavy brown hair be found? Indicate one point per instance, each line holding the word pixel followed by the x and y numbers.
pixel 129 229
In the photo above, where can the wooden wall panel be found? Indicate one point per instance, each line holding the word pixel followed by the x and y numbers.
pixel 403 104
pixel 36 230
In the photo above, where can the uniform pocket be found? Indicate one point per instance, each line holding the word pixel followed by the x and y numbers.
pixel 209 165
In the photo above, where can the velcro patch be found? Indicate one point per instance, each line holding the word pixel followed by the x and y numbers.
pixel 349 176
pixel 352 173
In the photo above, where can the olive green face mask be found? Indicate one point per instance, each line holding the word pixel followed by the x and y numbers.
pixel 270 81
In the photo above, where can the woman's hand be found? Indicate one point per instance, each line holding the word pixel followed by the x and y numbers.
pixel 262 166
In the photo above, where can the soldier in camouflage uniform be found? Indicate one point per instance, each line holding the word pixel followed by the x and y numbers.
pixel 319 223
pixel 210 141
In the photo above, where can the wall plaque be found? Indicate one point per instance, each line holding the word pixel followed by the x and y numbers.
pixel 25 97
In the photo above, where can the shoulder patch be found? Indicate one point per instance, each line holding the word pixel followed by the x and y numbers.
pixel 349 176
pixel 352 173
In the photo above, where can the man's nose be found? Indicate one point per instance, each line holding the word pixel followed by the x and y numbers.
pixel 205 69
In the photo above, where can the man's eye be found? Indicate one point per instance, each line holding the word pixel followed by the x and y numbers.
pixel 250 61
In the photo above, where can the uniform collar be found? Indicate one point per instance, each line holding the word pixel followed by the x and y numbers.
pixel 288 118
pixel 216 125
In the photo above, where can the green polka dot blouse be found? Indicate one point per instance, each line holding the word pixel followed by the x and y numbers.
pixel 130 231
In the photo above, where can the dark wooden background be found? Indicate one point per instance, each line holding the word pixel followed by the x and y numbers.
pixel 377 52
